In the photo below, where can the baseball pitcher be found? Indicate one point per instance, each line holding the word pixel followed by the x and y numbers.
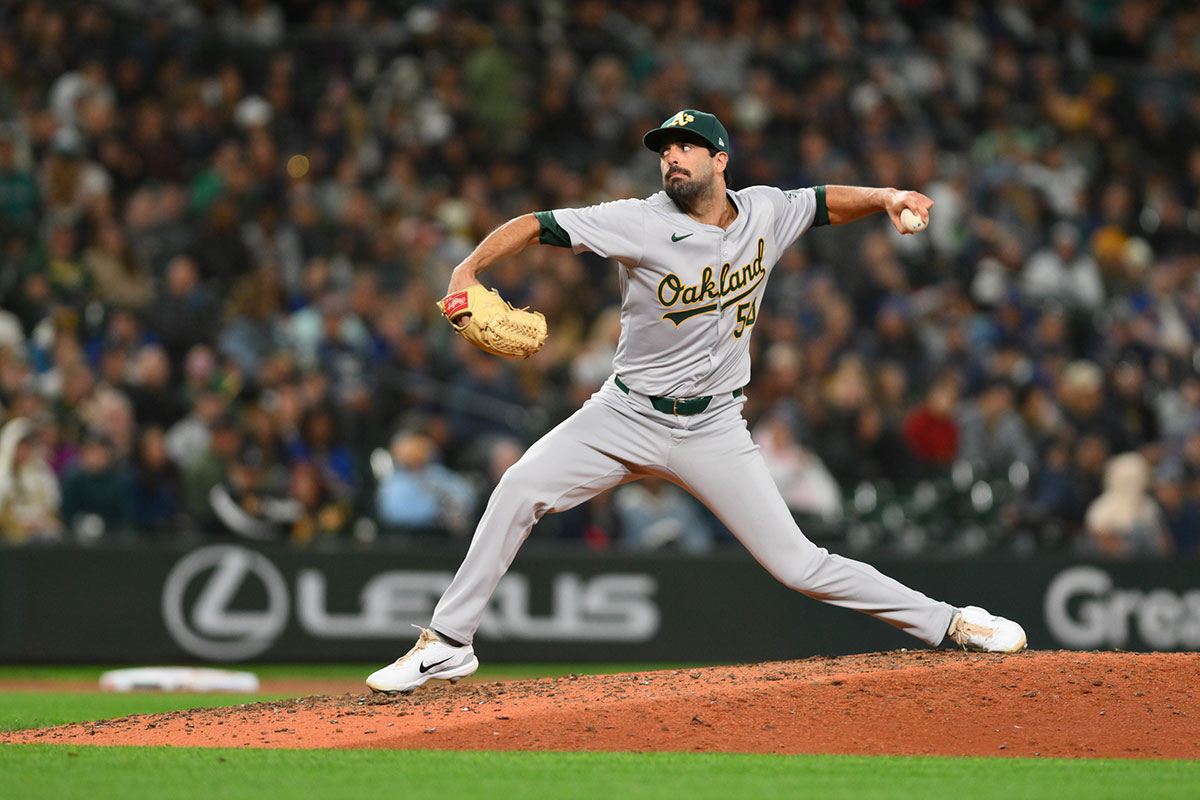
pixel 694 260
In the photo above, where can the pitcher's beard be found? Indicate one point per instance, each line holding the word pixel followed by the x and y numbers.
pixel 685 192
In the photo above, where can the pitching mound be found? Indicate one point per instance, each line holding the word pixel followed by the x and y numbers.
pixel 1071 704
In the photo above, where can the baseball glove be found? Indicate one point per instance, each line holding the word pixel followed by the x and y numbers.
pixel 495 326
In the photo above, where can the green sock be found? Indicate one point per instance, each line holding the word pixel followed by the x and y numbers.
pixel 447 639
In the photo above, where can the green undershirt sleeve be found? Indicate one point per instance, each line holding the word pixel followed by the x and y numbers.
pixel 822 217
pixel 552 233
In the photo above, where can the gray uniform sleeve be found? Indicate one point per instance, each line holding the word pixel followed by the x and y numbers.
pixel 611 230
pixel 797 210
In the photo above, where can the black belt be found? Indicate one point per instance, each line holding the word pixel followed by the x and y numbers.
pixel 680 406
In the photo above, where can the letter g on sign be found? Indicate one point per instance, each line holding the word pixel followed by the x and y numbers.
pixel 1086 625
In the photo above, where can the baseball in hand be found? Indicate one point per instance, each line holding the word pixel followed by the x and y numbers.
pixel 911 220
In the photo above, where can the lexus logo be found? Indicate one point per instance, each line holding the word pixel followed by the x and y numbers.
pixel 213 629
pixel 228 603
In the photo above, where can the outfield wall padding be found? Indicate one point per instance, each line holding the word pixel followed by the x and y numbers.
pixel 232 602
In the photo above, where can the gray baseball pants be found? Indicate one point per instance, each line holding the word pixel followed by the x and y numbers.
pixel 615 438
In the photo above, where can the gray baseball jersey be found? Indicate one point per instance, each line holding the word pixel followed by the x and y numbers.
pixel 690 292
pixel 690 295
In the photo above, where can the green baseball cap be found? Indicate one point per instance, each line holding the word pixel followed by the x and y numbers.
pixel 703 124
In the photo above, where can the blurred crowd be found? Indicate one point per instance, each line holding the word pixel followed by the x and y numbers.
pixel 223 227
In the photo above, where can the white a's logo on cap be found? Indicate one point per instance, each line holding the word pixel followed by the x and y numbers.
pixel 682 118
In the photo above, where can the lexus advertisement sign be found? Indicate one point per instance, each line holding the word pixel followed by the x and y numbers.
pixel 225 603
pixel 201 610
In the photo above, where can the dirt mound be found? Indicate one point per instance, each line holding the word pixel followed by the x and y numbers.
pixel 1120 705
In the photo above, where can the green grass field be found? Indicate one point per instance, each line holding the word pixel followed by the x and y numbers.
pixel 68 771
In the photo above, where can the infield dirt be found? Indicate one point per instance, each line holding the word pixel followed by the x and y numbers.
pixel 934 702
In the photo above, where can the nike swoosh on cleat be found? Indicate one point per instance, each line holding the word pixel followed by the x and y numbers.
pixel 426 667
pixel 675 238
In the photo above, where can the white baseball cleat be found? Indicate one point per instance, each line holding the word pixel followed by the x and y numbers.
pixel 429 658
pixel 975 629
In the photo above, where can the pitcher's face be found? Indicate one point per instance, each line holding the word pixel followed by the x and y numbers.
pixel 688 170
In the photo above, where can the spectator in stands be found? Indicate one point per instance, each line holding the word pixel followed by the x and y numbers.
pixel 70 182
pixel 1086 477
pixel 15 373
pixel 1180 510
pixel 834 420
pixel 115 369
pixel 30 300
pixel 992 433
pixel 931 430
pixel 275 243
pixel 894 341
pixel 184 314
pixel 345 352
pixel 188 439
pixel 122 279
pixel 19 194
pixel 209 469
pixel 124 331
pixel 263 445
pixel 1064 273
pixel 96 490
pixel 154 219
pixel 1187 458
pixel 654 514
pixel 156 401
pixel 29 491
pixel 1125 521
pixel 803 481
pixel 487 398
pixel 1086 410
pixel 156 505
pixel 1056 501
pixel 1040 416
pixel 109 412
pixel 1135 417
pixel 62 265
pixel 419 493
pixel 321 445
pixel 325 329
pixel 322 511
pixel 255 325
pixel 220 257
pixel 879 431
pixel 243 503
pixel 1178 408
